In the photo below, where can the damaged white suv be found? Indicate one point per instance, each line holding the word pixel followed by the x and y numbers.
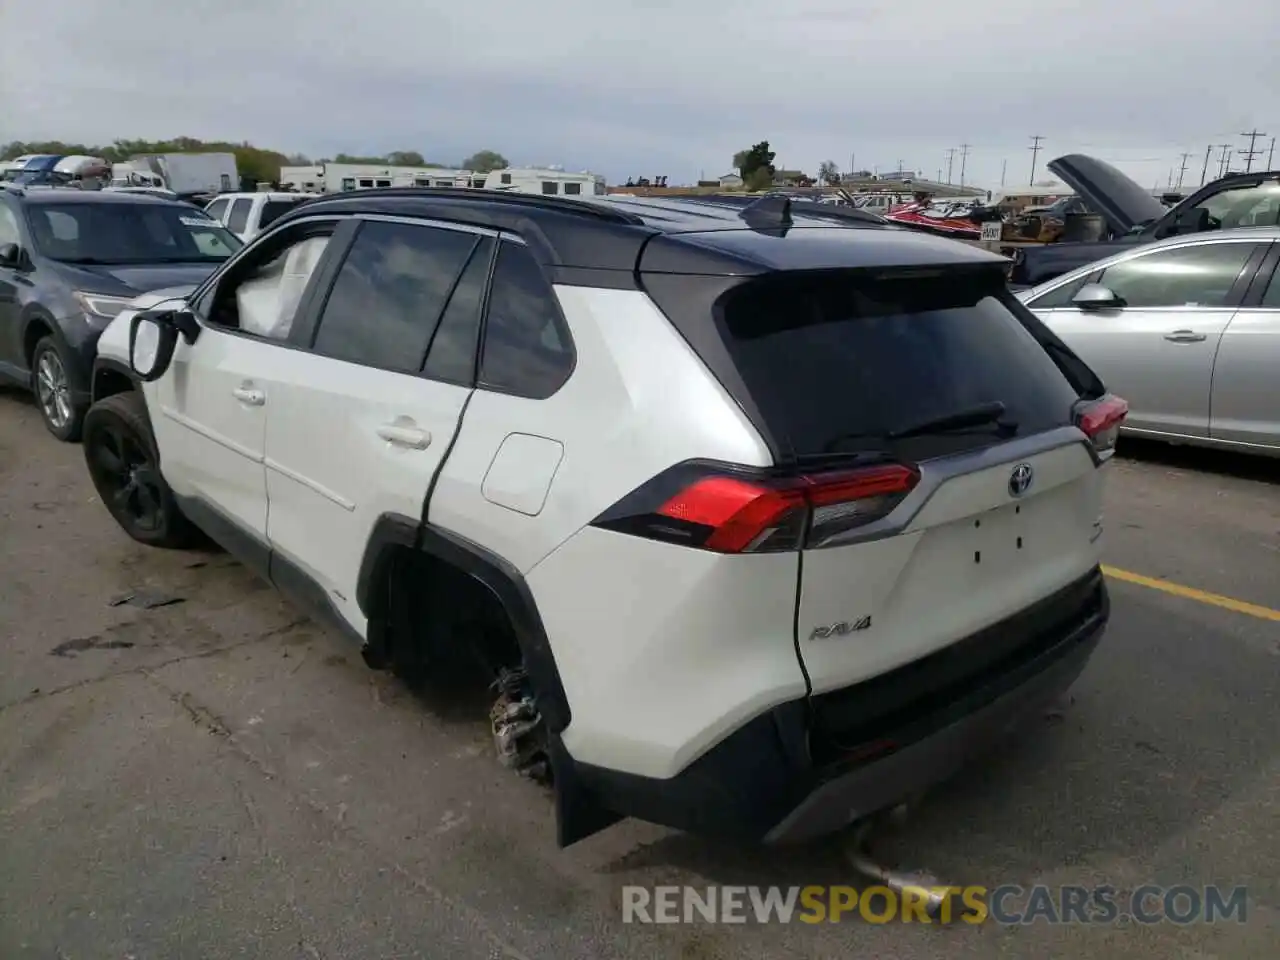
pixel 765 515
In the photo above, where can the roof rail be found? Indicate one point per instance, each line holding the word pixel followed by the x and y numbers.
pixel 799 208
pixel 582 208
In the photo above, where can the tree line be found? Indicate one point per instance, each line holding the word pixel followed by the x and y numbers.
pixel 755 166
pixel 253 163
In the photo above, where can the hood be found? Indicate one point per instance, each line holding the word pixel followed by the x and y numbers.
pixel 129 280
pixel 1120 201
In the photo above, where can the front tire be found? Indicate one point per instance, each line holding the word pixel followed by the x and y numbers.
pixel 124 464
pixel 52 385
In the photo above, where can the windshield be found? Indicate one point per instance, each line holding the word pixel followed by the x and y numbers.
pixel 122 233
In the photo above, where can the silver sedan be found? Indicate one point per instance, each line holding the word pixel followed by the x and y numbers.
pixel 1186 329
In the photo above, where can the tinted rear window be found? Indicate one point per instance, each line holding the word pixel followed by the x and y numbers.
pixel 274 208
pixel 835 362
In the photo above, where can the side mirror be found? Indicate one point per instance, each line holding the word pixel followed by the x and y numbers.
pixel 1094 296
pixel 153 336
pixel 10 255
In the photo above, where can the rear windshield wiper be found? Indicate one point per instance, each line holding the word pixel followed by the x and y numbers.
pixel 975 416
pixel 860 458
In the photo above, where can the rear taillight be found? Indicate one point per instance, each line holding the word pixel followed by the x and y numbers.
pixel 729 510
pixel 1100 420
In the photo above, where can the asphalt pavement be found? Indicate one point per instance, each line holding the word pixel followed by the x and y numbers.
pixel 218 777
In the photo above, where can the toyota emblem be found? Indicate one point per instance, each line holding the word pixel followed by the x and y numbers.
pixel 1020 479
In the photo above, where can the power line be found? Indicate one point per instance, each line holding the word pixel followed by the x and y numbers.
pixel 1249 154
pixel 964 157
pixel 1035 152
pixel 1182 171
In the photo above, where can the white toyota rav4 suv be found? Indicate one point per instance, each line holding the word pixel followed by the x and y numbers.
pixel 765 515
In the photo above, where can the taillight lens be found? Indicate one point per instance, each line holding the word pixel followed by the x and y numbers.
pixel 730 510
pixel 1100 421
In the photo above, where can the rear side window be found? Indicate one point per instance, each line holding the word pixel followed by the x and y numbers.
pixel 274 208
pixel 1271 299
pixel 390 293
pixel 834 363
pixel 527 350
pixel 239 217
pixel 452 354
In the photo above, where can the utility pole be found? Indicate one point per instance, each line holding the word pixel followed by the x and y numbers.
pixel 1035 152
pixel 951 155
pixel 1224 160
pixel 1271 153
pixel 1249 154
pixel 899 169
pixel 1004 165
pixel 964 157
pixel 1182 171
pixel 1205 171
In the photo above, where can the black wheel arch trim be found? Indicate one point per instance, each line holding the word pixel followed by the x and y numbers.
pixel 503 580
pixel 105 364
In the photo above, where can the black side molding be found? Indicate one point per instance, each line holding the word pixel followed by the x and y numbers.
pixel 289 578
pixel 502 579
pixel 233 538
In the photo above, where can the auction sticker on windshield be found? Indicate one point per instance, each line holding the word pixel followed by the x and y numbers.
pixel 198 221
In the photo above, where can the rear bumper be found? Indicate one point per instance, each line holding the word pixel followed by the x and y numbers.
pixel 811 767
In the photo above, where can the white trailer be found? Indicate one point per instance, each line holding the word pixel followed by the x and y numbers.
pixel 185 174
pixel 343 177
pixel 548 181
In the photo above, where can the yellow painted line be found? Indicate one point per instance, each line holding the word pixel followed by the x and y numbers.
pixel 1191 593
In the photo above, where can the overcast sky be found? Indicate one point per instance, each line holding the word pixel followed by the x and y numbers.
pixel 660 87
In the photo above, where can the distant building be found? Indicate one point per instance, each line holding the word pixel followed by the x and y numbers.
pixel 343 177
pixel 731 180
pixel 792 178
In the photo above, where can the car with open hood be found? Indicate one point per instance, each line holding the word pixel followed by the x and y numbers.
pixel 1133 216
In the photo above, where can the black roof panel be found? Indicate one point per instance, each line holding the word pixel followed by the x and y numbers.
pixel 684 234
pixel 72 195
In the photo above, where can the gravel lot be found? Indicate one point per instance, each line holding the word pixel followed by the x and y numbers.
pixel 221 778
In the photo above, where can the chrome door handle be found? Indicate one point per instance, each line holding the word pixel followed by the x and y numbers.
pixel 1185 336
pixel 403 436
pixel 247 395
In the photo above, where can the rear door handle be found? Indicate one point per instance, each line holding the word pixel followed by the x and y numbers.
pixel 247 395
pixel 403 436
pixel 1185 336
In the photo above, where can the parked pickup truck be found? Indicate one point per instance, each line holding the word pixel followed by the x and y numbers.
pixel 246 214
pixel 1134 216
